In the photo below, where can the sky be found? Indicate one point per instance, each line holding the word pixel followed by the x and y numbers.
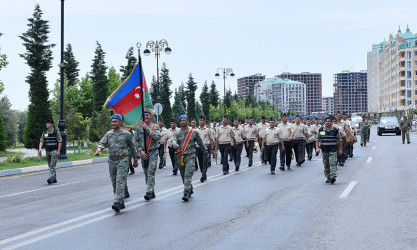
pixel 267 37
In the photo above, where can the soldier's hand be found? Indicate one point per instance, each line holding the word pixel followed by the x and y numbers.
pixel 262 148
pixel 307 141
pixel 58 153
pixel 317 150
pixel 290 139
pixel 144 156
pixel 283 149
pixel 145 127
pixel 176 146
pixel 135 164
pixel 40 151
pixel 340 152
pixel 247 145
pixel 207 156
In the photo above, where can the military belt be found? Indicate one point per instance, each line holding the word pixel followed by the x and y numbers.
pixel 117 158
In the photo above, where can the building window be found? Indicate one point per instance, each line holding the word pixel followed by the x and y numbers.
pixel 402 83
pixel 415 62
pixel 408 65
pixel 408 54
pixel 408 93
pixel 415 92
pixel 408 74
pixel 415 82
pixel 408 83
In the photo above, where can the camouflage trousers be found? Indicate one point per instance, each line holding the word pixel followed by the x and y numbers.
pixel 405 134
pixel 52 159
pixel 187 171
pixel 364 137
pixel 149 168
pixel 118 173
pixel 330 164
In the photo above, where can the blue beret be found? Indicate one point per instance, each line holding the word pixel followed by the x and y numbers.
pixel 117 116
pixel 147 111
pixel 183 116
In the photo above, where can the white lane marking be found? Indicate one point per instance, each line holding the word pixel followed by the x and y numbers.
pixel 369 159
pixel 30 241
pixel 34 190
pixel 374 147
pixel 348 189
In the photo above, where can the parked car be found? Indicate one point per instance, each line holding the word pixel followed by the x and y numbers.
pixel 388 125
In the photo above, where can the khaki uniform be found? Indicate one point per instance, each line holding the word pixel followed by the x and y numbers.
pixel 238 147
pixel 206 137
pixel 161 148
pixel 285 156
pixel 262 128
pixel 251 133
pixel 271 137
pixel 168 135
pixel 299 142
pixel 224 136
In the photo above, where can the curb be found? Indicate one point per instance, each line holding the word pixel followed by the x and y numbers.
pixel 17 171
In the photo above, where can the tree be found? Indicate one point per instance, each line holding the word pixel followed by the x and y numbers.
pixel 131 63
pixel 99 78
pixel 3 136
pixel 228 99
pixel 181 92
pixel 39 58
pixel 166 94
pixel 86 96
pixel 190 96
pixel 71 66
pixel 204 100
pixel 114 80
pixel 21 123
pixel 100 124
pixel 214 95
pixel 249 100
pixel 10 120
pixel 198 109
pixel 236 97
pixel 76 126
pixel 177 108
pixel 3 63
pixel 153 91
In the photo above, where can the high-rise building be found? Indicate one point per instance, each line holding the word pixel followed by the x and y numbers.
pixel 313 83
pixel 392 73
pixel 328 105
pixel 350 92
pixel 284 94
pixel 245 85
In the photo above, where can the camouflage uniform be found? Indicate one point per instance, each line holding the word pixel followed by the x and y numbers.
pixel 120 145
pixel 189 156
pixel 330 154
pixel 405 127
pixel 149 166
pixel 364 132
pixel 51 154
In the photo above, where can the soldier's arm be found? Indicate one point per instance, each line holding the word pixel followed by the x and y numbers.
pixel 41 142
pixel 59 139
pixel 232 135
pixel 102 143
pixel 132 147
pixel 137 138
pixel 174 139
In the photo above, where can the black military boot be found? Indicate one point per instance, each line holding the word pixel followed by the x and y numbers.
pixel 148 196
pixel 54 180
pixel 127 195
pixel 328 180
pixel 333 180
pixel 185 197
pixel 153 195
pixel 132 171
pixel 49 180
pixel 117 207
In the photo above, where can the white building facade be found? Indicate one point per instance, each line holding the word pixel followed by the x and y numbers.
pixel 283 94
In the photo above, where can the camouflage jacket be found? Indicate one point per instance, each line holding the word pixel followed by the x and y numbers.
pixel 155 135
pixel 363 125
pixel 119 143
pixel 180 136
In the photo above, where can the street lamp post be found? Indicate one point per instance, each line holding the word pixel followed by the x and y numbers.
pixel 61 123
pixel 157 46
pixel 228 71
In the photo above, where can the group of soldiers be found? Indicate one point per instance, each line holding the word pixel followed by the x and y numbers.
pixel 190 147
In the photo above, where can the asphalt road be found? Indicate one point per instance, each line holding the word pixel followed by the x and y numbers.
pixel 371 206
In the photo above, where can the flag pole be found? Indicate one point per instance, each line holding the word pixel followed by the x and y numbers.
pixel 142 97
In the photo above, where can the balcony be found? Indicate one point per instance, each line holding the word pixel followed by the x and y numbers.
pixel 402 97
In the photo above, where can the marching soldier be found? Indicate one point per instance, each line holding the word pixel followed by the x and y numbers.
pixel 316 127
pixel 207 137
pixel 171 150
pixel 184 142
pixel 261 127
pixel 120 144
pixel 252 134
pixel 131 169
pixel 238 146
pixel 150 158
pixel 363 127
pixel 299 138
pixel 329 140
pixel 53 142
pixel 405 127
pixel 311 139
pixel 270 143
pixel 349 147
pixel 285 130
pixel 213 133
pixel 162 143
pixel 224 138
pixel 369 129
pixel 344 133
pixel 244 125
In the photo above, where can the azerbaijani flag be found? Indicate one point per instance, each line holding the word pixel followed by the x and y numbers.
pixel 127 99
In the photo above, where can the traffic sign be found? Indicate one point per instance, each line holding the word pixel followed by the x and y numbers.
pixel 158 108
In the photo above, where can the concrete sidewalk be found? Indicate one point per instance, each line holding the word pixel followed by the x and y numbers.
pixel 45 167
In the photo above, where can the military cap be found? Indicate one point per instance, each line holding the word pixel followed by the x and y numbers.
pixel 50 121
pixel 147 111
pixel 183 116
pixel 202 117
pixel 263 117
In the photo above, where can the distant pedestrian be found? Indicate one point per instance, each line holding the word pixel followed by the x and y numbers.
pixel 405 127
pixel 52 140
pixel 120 144
pixel 363 127
pixel 329 142
pixel 162 148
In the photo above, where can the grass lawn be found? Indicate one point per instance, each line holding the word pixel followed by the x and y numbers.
pixel 34 161
pixel 7 153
